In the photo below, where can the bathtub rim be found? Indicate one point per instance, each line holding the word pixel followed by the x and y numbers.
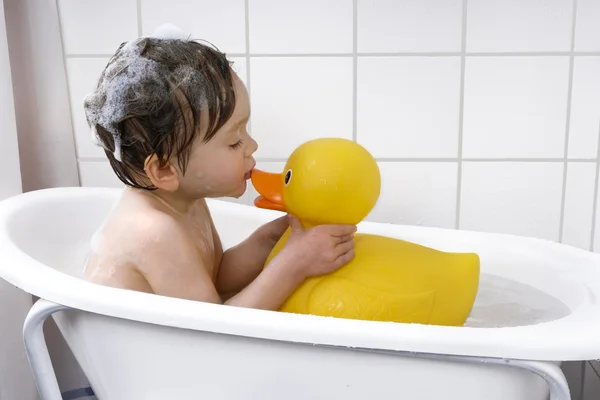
pixel 551 341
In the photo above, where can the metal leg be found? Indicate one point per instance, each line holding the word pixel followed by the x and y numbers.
pixel 37 352
pixel 548 371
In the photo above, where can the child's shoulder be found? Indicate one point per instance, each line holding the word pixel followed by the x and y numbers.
pixel 153 213
pixel 141 219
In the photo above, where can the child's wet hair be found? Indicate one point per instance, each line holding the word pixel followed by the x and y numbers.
pixel 150 99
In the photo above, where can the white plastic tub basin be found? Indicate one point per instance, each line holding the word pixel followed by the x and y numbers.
pixel 134 345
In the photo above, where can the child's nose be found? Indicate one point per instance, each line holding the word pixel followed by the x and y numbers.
pixel 252 146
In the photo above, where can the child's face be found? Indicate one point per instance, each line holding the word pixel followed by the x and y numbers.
pixel 222 166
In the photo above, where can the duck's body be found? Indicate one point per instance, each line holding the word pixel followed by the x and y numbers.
pixel 388 279
pixel 391 280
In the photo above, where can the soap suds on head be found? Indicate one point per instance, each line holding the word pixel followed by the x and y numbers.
pixel 151 97
pixel 170 31
pixel 125 82
pixel 122 84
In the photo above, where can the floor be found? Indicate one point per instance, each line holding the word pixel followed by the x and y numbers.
pixel 584 379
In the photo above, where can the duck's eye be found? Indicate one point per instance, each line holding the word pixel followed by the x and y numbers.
pixel 288 177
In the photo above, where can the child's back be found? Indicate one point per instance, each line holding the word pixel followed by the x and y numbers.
pixel 134 244
pixel 171 115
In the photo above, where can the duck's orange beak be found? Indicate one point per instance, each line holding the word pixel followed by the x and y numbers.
pixel 270 188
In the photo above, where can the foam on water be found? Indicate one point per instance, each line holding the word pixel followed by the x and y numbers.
pixel 503 302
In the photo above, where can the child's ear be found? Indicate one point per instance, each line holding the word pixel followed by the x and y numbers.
pixel 163 177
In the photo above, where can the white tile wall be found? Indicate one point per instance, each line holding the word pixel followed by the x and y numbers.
pixel 297 99
pixel 397 26
pixel 579 204
pixel 587 29
pixel 290 21
pixel 82 75
pixel 519 25
pixel 515 107
pixel 96 27
pixel 585 108
pixel 521 198
pixel 416 101
pixel 596 229
pixel 223 23
pixel 417 193
pixel 483 114
pixel 93 173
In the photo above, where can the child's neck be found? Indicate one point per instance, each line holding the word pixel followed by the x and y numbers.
pixel 174 201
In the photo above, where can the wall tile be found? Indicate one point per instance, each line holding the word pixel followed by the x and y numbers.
pixel 98 173
pixel 596 242
pixel 239 66
pixel 409 26
pixel 222 23
pixel 512 197
pixel 409 106
pixel 585 108
pixel 579 204
pixel 519 25
pixel 587 29
pixel 97 27
pixel 298 99
pixel 417 193
pixel 591 386
pixel 83 75
pixel 283 26
pixel 515 107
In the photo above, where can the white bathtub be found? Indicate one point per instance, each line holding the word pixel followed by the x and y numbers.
pixel 135 346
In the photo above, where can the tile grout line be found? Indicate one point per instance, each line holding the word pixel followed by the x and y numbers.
pixel 461 108
pixel 407 54
pixel 64 58
pixel 561 225
pixel 595 204
pixel 354 70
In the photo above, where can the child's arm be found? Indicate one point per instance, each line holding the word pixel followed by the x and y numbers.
pixel 242 263
pixel 174 267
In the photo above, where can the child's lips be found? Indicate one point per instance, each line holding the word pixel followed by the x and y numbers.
pixel 248 175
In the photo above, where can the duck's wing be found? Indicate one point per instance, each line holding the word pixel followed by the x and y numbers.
pixel 344 298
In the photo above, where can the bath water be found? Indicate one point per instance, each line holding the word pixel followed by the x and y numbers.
pixel 503 302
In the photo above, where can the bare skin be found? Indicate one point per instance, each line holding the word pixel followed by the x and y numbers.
pixel 164 242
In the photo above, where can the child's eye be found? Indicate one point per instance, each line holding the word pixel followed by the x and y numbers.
pixel 236 145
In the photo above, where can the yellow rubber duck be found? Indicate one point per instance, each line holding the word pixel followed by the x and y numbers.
pixel 337 181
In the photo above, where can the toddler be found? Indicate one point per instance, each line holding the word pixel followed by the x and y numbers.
pixel 171 115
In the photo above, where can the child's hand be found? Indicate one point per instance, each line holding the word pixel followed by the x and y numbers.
pixel 319 250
